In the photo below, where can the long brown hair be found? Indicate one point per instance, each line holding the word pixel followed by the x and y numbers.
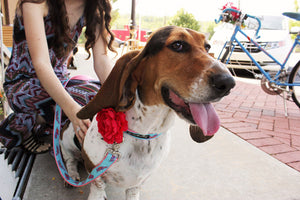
pixel 97 13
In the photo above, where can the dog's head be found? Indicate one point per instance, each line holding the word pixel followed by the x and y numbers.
pixel 174 69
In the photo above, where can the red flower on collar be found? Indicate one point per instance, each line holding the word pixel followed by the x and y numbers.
pixel 111 125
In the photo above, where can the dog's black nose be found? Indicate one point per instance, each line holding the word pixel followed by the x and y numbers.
pixel 222 83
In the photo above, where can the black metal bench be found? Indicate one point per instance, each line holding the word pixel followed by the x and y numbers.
pixel 21 163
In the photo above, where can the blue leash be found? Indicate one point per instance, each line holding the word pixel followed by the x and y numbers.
pixel 111 156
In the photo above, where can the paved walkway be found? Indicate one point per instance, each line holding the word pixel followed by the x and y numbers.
pixel 223 168
pixel 260 119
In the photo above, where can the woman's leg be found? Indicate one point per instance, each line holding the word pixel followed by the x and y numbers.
pixel 83 91
pixel 28 100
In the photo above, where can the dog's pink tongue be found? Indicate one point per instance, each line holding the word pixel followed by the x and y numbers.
pixel 206 118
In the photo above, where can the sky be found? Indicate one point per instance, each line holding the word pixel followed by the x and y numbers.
pixel 204 10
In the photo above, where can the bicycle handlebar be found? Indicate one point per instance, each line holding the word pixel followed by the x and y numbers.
pixel 225 11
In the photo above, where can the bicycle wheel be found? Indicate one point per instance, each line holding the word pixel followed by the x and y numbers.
pixel 295 78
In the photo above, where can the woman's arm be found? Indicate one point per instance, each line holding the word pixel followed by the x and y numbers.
pixel 33 14
pixel 102 63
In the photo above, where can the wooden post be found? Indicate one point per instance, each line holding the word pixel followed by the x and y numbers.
pixel 6 12
pixel 132 21
pixel 132 27
pixel 2 55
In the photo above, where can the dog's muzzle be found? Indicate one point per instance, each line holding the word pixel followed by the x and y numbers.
pixel 221 84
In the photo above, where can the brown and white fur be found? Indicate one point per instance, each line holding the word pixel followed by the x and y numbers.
pixel 174 62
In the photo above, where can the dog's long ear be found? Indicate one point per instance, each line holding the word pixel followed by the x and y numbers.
pixel 118 91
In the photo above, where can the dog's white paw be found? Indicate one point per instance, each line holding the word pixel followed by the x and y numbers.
pixel 97 190
pixel 75 176
pixel 133 193
pixel 97 195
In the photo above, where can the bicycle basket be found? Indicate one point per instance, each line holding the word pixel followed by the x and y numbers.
pixel 231 16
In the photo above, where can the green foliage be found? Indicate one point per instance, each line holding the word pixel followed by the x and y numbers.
pixel 114 16
pixel 208 28
pixel 154 22
pixel 296 5
pixel 82 39
pixel 147 22
pixel 185 19
pixel 294 23
pixel 182 18
pixel 121 21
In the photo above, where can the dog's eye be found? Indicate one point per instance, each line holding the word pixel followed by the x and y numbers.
pixel 179 46
pixel 207 47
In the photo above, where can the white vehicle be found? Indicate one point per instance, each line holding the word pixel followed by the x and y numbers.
pixel 274 38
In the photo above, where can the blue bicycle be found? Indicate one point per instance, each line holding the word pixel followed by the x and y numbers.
pixel 282 81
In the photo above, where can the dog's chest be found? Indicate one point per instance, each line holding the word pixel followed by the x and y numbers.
pixel 149 119
pixel 138 160
pixel 138 157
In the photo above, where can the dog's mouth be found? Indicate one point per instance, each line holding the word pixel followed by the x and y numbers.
pixel 201 114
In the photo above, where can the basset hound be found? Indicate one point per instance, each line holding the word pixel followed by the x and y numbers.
pixel 173 74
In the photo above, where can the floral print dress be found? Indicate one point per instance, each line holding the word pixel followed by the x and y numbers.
pixel 26 97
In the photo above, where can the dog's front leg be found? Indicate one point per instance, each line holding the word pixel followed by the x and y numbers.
pixel 71 163
pixel 97 190
pixel 133 193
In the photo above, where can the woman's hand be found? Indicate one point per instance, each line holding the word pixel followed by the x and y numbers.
pixel 80 126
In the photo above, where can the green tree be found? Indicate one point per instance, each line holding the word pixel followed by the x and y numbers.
pixel 294 23
pixel 296 6
pixel 184 19
pixel 114 14
pixel 207 27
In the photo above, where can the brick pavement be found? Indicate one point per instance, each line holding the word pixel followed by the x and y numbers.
pixel 260 119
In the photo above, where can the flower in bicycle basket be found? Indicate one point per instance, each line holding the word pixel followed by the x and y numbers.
pixel 234 16
pixel 111 125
